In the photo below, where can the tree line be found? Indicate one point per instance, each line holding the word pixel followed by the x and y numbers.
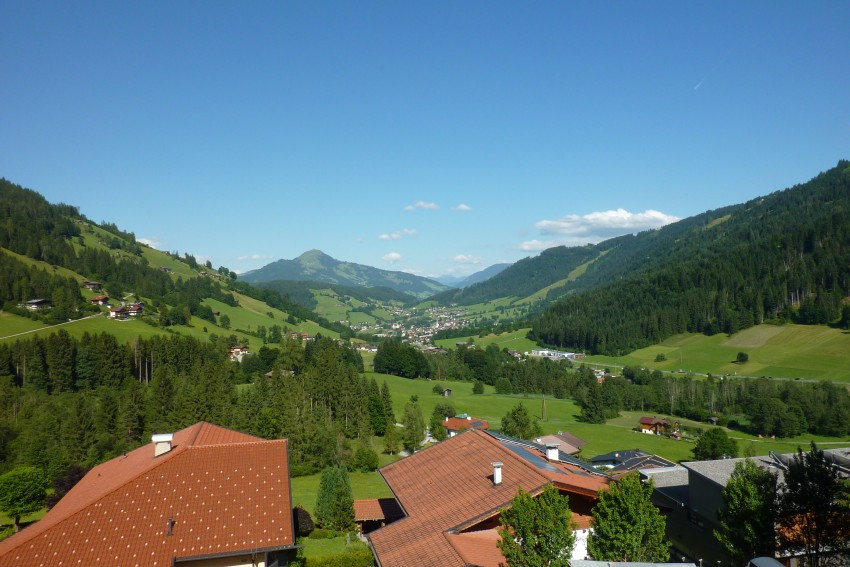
pixel 67 401
pixel 768 407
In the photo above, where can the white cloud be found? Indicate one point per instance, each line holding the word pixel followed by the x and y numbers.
pixel 462 208
pixel 153 243
pixel 465 259
pixel 392 257
pixel 593 228
pixel 254 257
pixel 598 226
pixel 397 235
pixel 422 205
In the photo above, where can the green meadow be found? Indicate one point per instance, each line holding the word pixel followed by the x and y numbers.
pixel 562 415
pixel 778 351
pixel 514 340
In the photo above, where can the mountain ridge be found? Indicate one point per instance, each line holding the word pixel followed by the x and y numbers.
pixel 316 266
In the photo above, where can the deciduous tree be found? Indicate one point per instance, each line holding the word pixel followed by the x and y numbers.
pixel 22 492
pixel 715 444
pixel 537 532
pixel 811 518
pixel 626 525
pixel 748 515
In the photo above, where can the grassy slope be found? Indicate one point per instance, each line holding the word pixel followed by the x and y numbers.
pixel 250 314
pixel 785 351
pixel 779 351
pixel 512 341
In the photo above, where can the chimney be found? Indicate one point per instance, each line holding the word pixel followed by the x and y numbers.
pixel 161 443
pixel 497 473
pixel 552 451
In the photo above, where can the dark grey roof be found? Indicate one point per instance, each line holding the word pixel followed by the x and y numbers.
pixel 618 456
pixel 720 470
pixel 641 462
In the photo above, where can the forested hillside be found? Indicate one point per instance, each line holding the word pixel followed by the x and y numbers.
pixel 782 257
pixel 44 239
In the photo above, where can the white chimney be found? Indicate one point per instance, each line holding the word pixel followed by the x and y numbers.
pixel 552 451
pixel 497 473
pixel 162 443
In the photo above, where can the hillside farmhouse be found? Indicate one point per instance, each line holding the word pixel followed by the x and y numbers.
pixel 654 425
pixel 204 496
pixel 451 494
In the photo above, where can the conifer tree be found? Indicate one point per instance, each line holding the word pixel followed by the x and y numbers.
pixel 334 502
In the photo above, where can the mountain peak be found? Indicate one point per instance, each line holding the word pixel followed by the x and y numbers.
pixel 315 265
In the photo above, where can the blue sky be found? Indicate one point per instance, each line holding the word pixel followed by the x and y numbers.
pixel 429 137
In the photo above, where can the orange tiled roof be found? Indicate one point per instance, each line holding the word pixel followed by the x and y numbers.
pixel 448 487
pixel 459 423
pixel 226 492
pixel 376 509
pixel 478 548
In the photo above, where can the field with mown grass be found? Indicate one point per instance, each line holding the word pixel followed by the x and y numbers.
pixel 562 415
pixel 786 351
pixel 778 351
pixel 514 340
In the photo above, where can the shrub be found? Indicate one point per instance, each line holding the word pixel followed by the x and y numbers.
pixel 321 533
pixel 303 522
pixel 361 557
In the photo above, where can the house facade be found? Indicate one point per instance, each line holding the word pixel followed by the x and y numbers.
pixel 204 496
pixel 654 425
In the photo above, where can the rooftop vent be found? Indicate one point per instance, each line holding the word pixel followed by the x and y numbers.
pixel 552 451
pixel 497 473
pixel 162 443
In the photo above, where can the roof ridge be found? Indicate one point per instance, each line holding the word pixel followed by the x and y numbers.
pixel 200 425
pixel 44 527
pixel 220 445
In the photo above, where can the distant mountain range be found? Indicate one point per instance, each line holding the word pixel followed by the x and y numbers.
pixel 478 277
pixel 316 266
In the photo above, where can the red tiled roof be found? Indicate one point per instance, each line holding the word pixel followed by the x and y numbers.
pixel 448 487
pixel 226 492
pixel 478 548
pixel 459 423
pixel 376 509
pixel 653 421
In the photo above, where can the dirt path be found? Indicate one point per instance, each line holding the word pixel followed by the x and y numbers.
pixel 51 326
